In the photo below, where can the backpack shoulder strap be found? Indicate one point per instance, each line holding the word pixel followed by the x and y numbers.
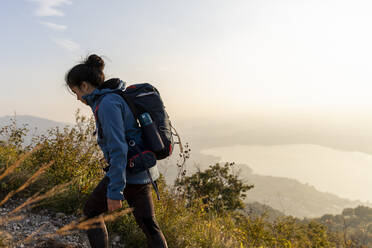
pixel 96 117
pixel 130 103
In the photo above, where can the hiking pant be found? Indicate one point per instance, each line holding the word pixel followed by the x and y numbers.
pixel 138 197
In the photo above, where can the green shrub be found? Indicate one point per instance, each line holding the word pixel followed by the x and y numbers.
pixel 75 155
pixel 219 188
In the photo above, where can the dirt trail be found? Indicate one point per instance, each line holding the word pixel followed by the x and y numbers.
pixel 41 223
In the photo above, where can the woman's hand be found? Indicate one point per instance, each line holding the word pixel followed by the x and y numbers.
pixel 113 204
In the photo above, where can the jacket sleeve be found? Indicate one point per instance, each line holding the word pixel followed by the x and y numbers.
pixel 110 114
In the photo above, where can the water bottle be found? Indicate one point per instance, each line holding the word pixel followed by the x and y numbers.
pixel 151 134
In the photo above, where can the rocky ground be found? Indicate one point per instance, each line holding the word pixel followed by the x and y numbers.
pixel 14 233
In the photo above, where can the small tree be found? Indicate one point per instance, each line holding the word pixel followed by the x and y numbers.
pixel 219 188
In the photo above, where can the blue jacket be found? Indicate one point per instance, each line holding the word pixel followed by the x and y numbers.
pixel 118 125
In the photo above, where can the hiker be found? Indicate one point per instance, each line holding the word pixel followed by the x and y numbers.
pixel 117 125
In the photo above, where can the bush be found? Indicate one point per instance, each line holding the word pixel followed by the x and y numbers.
pixel 217 186
pixel 75 156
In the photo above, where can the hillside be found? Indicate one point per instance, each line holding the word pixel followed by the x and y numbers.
pixel 289 196
pixel 62 164
pixel 293 197
pixel 36 125
pixel 352 223
pixel 286 195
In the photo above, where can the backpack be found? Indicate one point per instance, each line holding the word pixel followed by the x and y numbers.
pixel 144 98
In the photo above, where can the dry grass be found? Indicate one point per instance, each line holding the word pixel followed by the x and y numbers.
pixel 11 168
pixel 83 223
pixel 7 219
pixel 37 198
pixel 79 224
pixel 32 179
pixel 32 235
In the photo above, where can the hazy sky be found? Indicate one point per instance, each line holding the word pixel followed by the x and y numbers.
pixel 215 59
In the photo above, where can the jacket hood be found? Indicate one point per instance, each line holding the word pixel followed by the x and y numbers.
pixel 111 85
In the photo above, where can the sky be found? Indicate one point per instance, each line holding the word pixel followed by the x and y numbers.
pixel 209 59
pixel 258 72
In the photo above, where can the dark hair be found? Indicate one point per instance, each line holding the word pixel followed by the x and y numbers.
pixel 90 70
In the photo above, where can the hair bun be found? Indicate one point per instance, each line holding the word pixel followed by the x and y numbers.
pixel 95 61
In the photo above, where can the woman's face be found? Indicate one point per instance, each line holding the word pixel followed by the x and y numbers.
pixel 84 89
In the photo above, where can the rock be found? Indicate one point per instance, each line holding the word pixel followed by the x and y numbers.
pixel 32 219
pixel 15 226
pixel 56 244
pixel 116 238
pixel 60 215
